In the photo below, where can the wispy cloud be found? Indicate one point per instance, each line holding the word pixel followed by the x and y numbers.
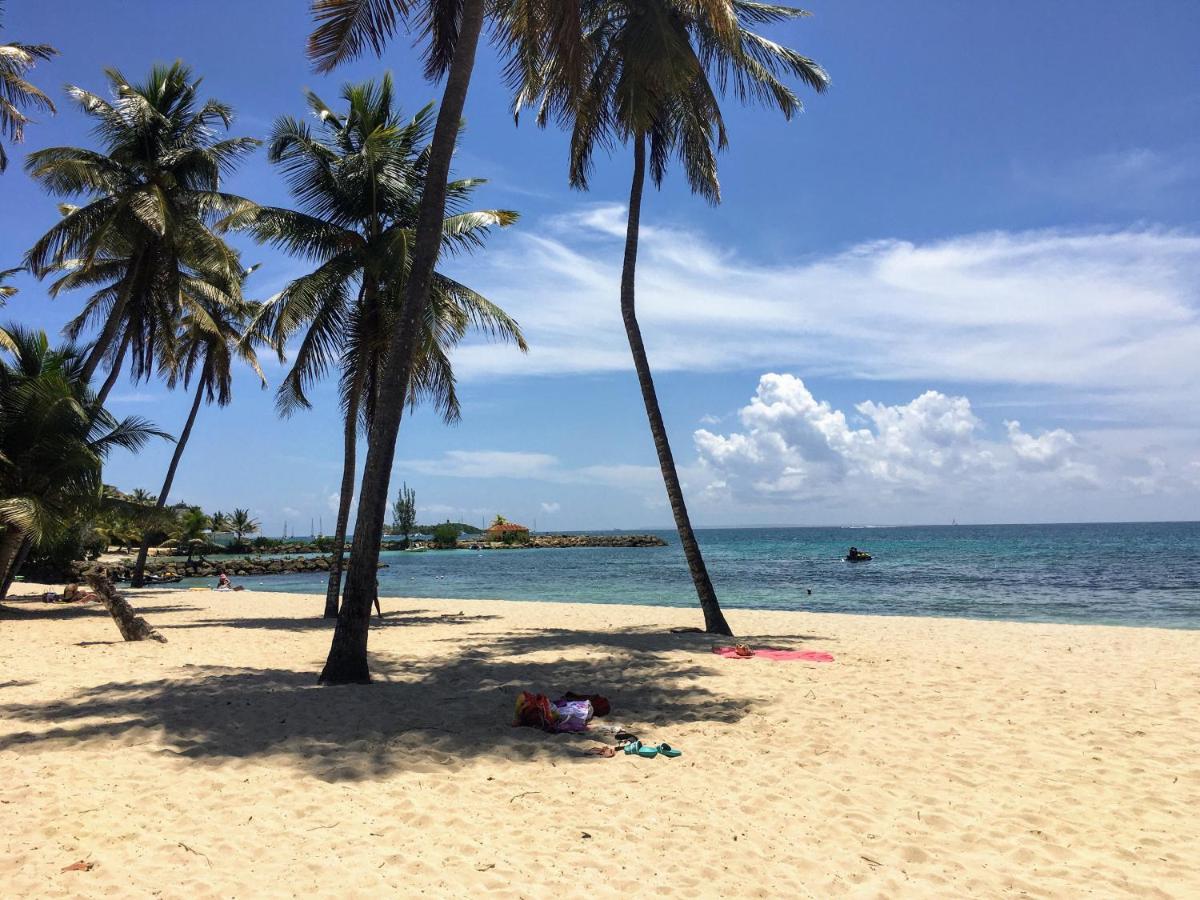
pixel 1109 313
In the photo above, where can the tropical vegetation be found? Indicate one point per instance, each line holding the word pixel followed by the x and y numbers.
pixel 53 441
pixel 146 213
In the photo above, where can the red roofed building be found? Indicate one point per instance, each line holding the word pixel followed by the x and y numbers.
pixel 508 533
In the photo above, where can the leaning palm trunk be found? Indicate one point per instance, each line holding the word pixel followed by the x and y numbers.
pixel 113 373
pixel 714 619
pixel 139 568
pixel 132 626
pixel 12 542
pixel 347 661
pixel 334 590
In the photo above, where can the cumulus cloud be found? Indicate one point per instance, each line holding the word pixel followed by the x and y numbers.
pixel 794 446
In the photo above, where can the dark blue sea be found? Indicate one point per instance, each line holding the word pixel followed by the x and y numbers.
pixel 1121 574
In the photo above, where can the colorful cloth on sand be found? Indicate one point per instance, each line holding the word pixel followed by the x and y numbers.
pixel 769 653
pixel 536 711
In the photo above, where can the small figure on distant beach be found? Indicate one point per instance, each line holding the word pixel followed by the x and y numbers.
pixel 223 583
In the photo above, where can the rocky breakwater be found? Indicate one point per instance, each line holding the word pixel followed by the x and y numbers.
pixel 236 567
pixel 595 540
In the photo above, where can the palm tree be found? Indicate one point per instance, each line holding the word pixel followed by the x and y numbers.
pixel 644 73
pixel 220 521
pixel 53 441
pixel 241 523
pixel 15 92
pixel 344 29
pixel 189 530
pixel 211 336
pixel 142 497
pixel 359 187
pixel 148 199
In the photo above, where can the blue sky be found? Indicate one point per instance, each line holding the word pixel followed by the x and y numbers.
pixel 961 285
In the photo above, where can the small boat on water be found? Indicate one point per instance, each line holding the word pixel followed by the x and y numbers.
pixel 415 549
pixel 856 555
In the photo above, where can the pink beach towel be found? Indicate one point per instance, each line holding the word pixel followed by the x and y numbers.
pixel 768 653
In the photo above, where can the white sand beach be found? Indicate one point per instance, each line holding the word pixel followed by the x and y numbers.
pixel 932 757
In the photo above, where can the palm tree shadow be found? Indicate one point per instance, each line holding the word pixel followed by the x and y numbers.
pixel 420 714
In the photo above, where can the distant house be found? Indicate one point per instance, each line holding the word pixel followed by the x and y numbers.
pixel 508 533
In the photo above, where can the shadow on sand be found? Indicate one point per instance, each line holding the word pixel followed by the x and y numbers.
pixel 420 712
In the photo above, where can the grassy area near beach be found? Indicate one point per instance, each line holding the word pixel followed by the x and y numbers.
pixel 931 757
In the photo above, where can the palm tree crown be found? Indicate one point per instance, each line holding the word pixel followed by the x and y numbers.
pixel 359 185
pixel 16 92
pixel 148 198
pixel 651 68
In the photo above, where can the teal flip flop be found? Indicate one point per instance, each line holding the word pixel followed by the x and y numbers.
pixel 632 747
pixel 649 751
pixel 668 751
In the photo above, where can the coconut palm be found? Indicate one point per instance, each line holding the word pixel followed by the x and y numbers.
pixel 53 441
pixel 647 73
pixel 16 92
pixel 220 521
pixel 450 31
pixel 147 201
pixel 212 336
pixel 242 524
pixel 190 526
pixel 359 185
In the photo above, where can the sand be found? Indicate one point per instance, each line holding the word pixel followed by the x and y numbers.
pixel 933 757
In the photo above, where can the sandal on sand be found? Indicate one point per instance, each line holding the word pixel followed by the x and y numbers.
pixel 668 751
pixel 637 748
pixel 606 752
pixel 743 650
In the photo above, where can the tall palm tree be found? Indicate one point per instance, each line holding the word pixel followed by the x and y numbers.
pixel 189 531
pixel 359 184
pixel 647 72
pixel 16 92
pixel 212 336
pixel 148 199
pixel 451 30
pixel 53 441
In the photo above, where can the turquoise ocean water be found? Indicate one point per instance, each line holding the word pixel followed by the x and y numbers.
pixel 1127 574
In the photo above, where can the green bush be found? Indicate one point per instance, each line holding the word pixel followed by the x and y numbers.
pixel 445 537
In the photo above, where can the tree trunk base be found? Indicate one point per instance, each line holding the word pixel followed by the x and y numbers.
pixel 132 626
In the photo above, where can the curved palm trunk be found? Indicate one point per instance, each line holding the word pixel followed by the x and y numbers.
pixel 139 568
pixel 114 372
pixel 349 463
pixel 347 661
pixel 111 325
pixel 714 619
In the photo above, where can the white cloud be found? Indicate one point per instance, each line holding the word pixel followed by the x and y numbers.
pixel 1107 315
pixel 710 419
pixel 549 508
pixel 794 447
pixel 485 464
